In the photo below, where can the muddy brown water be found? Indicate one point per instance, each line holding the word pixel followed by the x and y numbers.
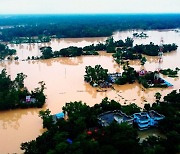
pixel 65 83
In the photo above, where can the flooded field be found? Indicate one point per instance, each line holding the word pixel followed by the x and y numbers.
pixel 64 82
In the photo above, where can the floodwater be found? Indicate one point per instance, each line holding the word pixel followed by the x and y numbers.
pixel 65 83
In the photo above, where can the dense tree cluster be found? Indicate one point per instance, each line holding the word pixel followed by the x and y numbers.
pixel 46 52
pixel 122 50
pixel 100 77
pixel 136 52
pixel 129 75
pixel 5 51
pixel 71 26
pixel 13 93
pixel 71 135
pixel 125 54
pixel 96 75
pixel 169 107
pixel 169 72
pixel 71 51
pixel 152 49
pixel 81 132
pixel 97 47
pixel 111 45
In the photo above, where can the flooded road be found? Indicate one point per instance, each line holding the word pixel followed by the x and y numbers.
pixel 64 82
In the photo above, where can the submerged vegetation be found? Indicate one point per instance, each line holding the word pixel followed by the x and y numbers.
pixel 65 52
pixel 169 72
pixel 99 77
pixel 13 93
pixel 5 51
pixel 128 76
pixel 152 80
pixel 81 132
pixel 152 49
pixel 123 50
pixel 95 76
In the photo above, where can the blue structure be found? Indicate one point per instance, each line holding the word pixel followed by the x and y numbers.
pixel 58 116
pixel 69 141
pixel 166 83
pixel 145 120
pixel 142 119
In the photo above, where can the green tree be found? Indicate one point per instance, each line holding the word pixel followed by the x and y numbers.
pixel 96 75
pixel 147 107
pixel 19 80
pixel 46 52
pixel 47 118
pixel 129 42
pixel 130 109
pixel 143 60
pixel 157 96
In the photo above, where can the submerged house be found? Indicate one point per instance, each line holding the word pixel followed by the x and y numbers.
pixel 105 85
pixel 58 116
pixel 153 79
pixel 142 72
pixel 105 119
pixel 164 82
pixel 111 79
pixel 30 99
pixel 145 120
pixel 155 117
pixel 113 76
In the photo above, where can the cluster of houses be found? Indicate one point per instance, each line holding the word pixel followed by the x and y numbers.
pixel 144 120
pixel 112 77
pixel 156 80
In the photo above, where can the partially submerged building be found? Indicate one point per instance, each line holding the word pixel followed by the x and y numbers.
pixel 142 119
pixel 153 79
pixel 145 120
pixel 30 99
pixel 112 77
pixel 105 119
pixel 58 116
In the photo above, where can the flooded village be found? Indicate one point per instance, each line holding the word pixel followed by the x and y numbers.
pixel 64 79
